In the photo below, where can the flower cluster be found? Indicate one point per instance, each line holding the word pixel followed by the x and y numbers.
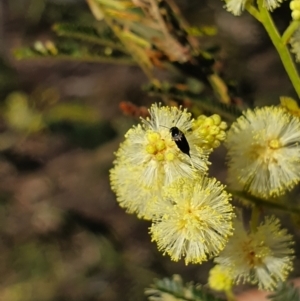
pixel 263 257
pixel 295 8
pixel 160 173
pixel 150 159
pixel 210 129
pixel 220 278
pixel 195 220
pixel 264 151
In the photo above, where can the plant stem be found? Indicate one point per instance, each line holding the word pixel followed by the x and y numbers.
pixel 254 12
pixel 281 48
pixel 264 203
pixel 289 32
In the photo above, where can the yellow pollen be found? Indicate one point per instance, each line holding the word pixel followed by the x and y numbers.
pixel 223 125
pixel 153 137
pixel 208 122
pixel 214 130
pixel 221 136
pixel 216 118
pixel 160 145
pixel 169 156
pixel 159 157
pixel 151 149
pixel 216 144
pixel 220 278
pixel 274 144
pixel 204 131
pixel 209 138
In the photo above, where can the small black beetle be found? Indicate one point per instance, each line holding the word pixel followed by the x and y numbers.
pixel 180 140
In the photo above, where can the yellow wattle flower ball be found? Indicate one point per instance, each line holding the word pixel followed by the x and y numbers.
pixel 132 195
pixel 264 152
pixel 194 221
pixel 264 257
pixel 220 278
pixel 149 159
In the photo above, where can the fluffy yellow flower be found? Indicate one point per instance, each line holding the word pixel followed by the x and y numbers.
pixel 236 7
pixel 263 258
pixel 220 278
pixel 210 129
pixel 131 194
pixel 264 151
pixel 272 4
pixel 195 220
pixel 151 146
pixel 148 159
pixel 290 105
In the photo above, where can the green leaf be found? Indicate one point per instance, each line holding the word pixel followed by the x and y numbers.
pixel 285 292
pixel 90 34
pixel 167 288
pixel 202 31
pixel 72 50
